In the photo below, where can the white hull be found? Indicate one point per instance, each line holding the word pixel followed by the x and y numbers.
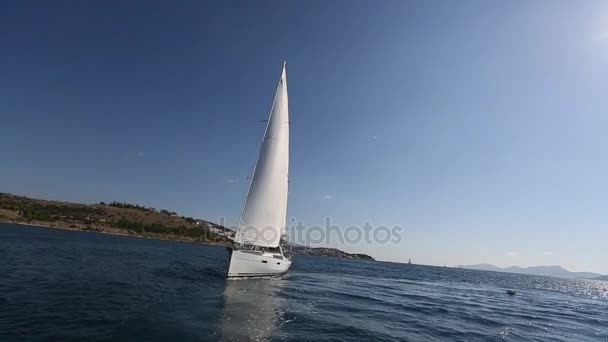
pixel 246 263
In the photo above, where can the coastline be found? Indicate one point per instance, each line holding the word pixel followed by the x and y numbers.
pixel 127 219
pixel 119 232
pixel 297 250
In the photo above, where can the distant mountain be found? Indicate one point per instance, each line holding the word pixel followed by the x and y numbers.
pixel 551 271
pixel 604 277
pixel 483 267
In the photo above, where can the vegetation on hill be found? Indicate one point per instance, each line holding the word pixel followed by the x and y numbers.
pixel 113 217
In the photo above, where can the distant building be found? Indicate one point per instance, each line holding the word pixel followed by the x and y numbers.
pixel 221 231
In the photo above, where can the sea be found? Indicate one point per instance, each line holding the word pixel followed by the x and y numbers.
pixel 59 285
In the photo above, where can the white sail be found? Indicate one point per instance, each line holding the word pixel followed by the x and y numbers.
pixel 264 213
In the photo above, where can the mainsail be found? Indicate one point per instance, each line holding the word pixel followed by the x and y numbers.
pixel 264 214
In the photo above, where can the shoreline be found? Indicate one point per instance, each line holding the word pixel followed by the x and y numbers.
pixel 297 250
pixel 41 225
pixel 132 220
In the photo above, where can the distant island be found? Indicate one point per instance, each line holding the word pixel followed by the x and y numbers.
pixel 122 218
pixel 325 251
pixel 551 271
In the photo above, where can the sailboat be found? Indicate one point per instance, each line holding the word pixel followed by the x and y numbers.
pixel 260 244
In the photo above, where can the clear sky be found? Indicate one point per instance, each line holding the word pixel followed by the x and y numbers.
pixel 479 126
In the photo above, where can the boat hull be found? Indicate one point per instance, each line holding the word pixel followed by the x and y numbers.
pixel 244 263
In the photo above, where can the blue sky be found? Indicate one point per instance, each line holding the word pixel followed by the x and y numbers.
pixel 478 126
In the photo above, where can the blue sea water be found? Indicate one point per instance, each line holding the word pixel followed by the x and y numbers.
pixel 63 285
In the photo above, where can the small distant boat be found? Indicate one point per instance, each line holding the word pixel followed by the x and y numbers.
pixel 511 292
pixel 260 246
pixel 409 262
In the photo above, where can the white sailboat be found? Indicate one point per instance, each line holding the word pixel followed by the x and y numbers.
pixel 260 245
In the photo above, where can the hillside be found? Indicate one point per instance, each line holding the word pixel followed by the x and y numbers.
pixel 114 217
